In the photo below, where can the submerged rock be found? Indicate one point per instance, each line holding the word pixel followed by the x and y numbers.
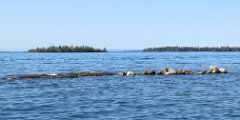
pixel 60 75
pixel 183 72
pixel 148 72
pixel 29 76
pixel 202 72
pixel 95 73
pixel 68 75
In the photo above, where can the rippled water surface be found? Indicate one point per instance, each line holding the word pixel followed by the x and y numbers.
pixel 119 97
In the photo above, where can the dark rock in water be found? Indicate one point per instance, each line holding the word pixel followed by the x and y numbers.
pixel 61 75
pixel 74 75
pixel 168 71
pixel 68 75
pixel 94 74
pixel 183 72
pixel 29 76
pixel 164 71
pixel 122 73
pixel 171 72
pixel 149 72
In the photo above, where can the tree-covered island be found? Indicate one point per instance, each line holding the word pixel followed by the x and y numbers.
pixel 192 49
pixel 66 48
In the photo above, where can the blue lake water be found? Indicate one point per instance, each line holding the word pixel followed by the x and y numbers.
pixel 119 97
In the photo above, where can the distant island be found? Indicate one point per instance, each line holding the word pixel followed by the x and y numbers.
pixel 192 49
pixel 66 48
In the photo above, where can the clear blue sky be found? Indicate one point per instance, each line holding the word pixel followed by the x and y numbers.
pixel 119 24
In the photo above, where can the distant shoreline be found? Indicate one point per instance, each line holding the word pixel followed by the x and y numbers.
pixel 129 52
pixel 192 49
pixel 88 49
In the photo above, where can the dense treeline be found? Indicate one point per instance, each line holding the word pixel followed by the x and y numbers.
pixel 65 48
pixel 194 49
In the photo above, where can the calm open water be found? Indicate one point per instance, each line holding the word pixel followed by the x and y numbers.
pixel 119 97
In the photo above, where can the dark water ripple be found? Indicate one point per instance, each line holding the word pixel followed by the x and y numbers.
pixel 116 97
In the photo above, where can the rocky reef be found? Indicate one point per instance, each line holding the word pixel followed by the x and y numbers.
pixel 213 70
pixel 59 75
pixel 168 71
pixel 165 71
